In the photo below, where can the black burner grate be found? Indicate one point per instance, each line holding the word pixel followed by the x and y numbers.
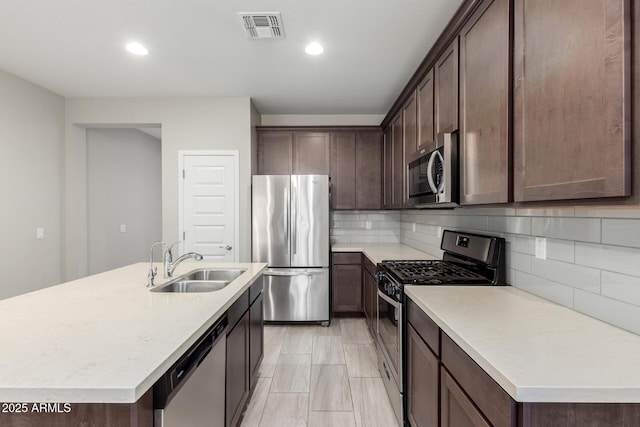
pixel 433 272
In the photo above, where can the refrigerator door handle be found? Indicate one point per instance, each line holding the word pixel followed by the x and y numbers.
pixel 294 216
pixel 286 219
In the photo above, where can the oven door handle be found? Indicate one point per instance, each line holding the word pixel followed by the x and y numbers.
pixel 394 303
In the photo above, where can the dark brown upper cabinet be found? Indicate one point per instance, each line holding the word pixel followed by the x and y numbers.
pixel 311 153
pixel 424 97
pixel 368 170
pixel 275 153
pixel 356 170
pixel 343 170
pixel 446 89
pixel 485 81
pixel 399 175
pixel 410 126
pixel 571 99
pixel 388 168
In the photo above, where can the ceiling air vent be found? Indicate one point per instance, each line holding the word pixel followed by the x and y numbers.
pixel 262 25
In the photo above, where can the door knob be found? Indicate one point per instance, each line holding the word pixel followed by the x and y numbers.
pixel 227 247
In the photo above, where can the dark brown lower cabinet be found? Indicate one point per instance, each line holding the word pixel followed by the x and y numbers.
pixel 237 389
pixel 369 297
pixel 457 409
pixel 423 378
pixel 346 282
pixel 256 339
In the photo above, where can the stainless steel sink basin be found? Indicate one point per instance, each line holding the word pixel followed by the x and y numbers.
pixel 214 274
pixel 202 280
pixel 189 286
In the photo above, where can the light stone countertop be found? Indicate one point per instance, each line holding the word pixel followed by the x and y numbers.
pixel 378 252
pixel 536 350
pixel 104 338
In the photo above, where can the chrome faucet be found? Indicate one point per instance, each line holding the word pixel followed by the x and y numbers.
pixel 170 265
pixel 153 271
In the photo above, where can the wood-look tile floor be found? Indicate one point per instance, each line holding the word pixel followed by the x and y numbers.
pixel 320 377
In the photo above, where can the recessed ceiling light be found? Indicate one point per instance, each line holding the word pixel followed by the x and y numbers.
pixel 314 49
pixel 137 49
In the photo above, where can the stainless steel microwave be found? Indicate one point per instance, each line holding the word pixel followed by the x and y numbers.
pixel 432 174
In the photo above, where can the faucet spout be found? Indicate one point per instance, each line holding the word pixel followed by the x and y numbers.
pixel 171 266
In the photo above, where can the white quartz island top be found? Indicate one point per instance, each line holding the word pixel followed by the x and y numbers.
pixel 104 338
pixel 537 351
pixel 378 252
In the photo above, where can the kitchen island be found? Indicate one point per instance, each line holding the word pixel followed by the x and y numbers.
pixel 522 360
pixel 103 339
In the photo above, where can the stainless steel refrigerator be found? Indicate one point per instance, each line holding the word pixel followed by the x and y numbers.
pixel 290 232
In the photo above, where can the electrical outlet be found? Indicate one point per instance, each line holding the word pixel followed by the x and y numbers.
pixel 40 233
pixel 123 228
pixel 413 227
pixel 439 231
pixel 367 225
pixel 541 248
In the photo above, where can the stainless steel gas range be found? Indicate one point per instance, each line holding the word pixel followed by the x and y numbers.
pixel 468 259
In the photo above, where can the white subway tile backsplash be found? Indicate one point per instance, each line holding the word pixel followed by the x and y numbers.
pixel 547 289
pixel 525 245
pixel 612 258
pixel 580 229
pixel 608 211
pixel 573 275
pixel 624 315
pixel 623 232
pixel 561 250
pixel 521 262
pixel 514 225
pixel 555 211
pixel 621 287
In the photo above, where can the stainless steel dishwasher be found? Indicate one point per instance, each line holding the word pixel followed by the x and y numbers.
pixel 192 392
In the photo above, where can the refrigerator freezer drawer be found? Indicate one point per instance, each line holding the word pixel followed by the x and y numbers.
pixel 292 295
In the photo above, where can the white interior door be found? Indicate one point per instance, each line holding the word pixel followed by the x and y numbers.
pixel 209 205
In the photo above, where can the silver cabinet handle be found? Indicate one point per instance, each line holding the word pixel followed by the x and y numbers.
pixel 293 273
pixel 227 247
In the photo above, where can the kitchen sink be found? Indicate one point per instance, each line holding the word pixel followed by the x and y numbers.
pixel 202 280
pixel 214 274
pixel 189 286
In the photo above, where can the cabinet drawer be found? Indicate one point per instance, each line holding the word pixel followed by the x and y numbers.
pixel 424 326
pixel 488 396
pixel 347 258
pixel 371 267
pixel 235 312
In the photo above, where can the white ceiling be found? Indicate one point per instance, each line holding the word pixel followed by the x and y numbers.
pixel 199 48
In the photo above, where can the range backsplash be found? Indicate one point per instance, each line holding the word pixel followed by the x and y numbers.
pixel 593 253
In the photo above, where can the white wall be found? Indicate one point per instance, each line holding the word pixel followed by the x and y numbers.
pixel 124 178
pixel 31 147
pixel 189 123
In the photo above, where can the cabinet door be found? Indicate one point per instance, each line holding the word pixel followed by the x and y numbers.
pixel 275 151
pixel 446 89
pixel 410 126
pixel 237 388
pixel 343 170
pixel 347 288
pixel 368 170
pixel 388 168
pixel 485 155
pixel 571 99
pixel 256 339
pixel 398 162
pixel 457 410
pixel 423 382
pixel 311 153
pixel 425 109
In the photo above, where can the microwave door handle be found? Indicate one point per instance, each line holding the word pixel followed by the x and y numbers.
pixel 432 160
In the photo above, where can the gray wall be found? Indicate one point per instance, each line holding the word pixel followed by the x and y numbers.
pixel 188 123
pixel 124 178
pixel 593 253
pixel 31 161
